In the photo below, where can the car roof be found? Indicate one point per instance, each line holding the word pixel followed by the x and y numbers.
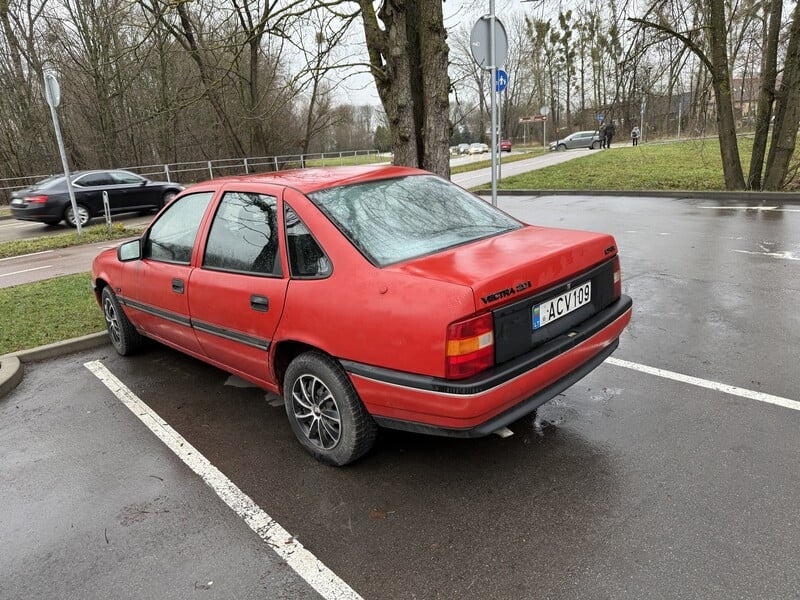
pixel 317 178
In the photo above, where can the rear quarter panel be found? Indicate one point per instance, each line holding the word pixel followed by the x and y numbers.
pixel 380 317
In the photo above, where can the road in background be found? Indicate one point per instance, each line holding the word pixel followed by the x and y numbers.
pixel 28 268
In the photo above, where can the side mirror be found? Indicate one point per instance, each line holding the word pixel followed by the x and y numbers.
pixel 130 251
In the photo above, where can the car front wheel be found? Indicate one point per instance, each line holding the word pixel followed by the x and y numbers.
pixel 83 215
pixel 167 198
pixel 124 337
pixel 325 411
pixel 561 147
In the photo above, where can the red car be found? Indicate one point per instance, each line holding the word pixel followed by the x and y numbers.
pixel 368 296
pixel 505 145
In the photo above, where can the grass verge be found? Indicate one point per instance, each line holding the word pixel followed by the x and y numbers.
pixel 687 165
pixel 47 311
pixel 95 233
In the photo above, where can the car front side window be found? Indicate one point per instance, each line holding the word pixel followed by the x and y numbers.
pixel 123 177
pixel 171 238
pixel 244 235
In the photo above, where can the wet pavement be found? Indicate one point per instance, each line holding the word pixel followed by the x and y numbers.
pixel 628 485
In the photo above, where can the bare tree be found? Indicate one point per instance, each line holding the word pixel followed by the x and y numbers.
pixel 407 45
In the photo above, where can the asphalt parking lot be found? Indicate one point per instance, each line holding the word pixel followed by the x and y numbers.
pixel 669 472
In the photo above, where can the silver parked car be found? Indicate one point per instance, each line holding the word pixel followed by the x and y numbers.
pixel 579 139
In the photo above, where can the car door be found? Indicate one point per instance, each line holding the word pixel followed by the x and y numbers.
pixel 89 189
pixel 236 297
pixel 133 192
pixel 155 287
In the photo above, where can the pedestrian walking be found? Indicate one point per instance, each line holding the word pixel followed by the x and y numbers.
pixel 610 131
pixel 635 135
pixel 602 133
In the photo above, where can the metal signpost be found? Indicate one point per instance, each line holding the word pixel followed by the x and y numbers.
pixel 52 93
pixel 489 45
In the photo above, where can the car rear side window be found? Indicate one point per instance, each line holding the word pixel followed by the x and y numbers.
pixel 244 235
pixel 171 237
pixel 94 179
pixel 306 258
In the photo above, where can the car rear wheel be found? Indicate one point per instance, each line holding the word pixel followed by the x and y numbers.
pixel 83 215
pixel 124 337
pixel 595 145
pixel 561 147
pixel 325 411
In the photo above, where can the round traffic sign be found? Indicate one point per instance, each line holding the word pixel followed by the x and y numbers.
pixel 479 42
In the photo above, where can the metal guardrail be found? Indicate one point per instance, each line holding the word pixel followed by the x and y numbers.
pixel 194 171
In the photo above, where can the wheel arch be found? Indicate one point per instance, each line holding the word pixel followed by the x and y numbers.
pixel 285 352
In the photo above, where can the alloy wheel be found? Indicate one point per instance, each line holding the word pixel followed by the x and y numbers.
pixel 316 412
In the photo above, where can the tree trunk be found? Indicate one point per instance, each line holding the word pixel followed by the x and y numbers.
pixel 784 134
pixel 721 82
pixel 767 95
pixel 408 59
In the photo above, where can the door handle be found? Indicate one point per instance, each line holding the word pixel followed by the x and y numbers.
pixel 177 286
pixel 259 303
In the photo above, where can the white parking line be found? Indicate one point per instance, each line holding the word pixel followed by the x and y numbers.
pixel 709 385
pixel 304 563
pixel 26 255
pixel 26 270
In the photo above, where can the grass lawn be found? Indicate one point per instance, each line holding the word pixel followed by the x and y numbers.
pixel 687 165
pixel 95 233
pixel 47 311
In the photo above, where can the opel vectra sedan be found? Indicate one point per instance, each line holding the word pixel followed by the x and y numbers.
pixel 368 297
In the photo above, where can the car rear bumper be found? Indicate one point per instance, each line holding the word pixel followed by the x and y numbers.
pixel 480 405
pixel 39 213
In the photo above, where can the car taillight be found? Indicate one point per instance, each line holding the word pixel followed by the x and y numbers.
pixel 617 278
pixel 36 199
pixel 470 347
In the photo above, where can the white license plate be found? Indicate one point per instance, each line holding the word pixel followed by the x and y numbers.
pixel 17 202
pixel 555 308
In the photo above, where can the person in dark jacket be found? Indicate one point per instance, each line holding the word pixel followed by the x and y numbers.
pixel 610 131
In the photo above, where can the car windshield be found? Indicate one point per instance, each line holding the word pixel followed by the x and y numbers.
pixel 393 220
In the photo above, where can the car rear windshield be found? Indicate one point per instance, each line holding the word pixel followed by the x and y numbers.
pixel 392 220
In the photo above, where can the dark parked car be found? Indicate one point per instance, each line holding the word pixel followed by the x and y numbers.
pixel 48 200
pixel 579 139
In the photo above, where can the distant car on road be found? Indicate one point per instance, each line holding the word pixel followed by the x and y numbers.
pixel 463 148
pixel 505 145
pixel 368 296
pixel 478 148
pixel 48 201
pixel 579 139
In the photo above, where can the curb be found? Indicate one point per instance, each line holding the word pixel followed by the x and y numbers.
pixel 11 365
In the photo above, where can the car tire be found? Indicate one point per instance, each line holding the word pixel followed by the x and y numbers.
pixel 595 145
pixel 84 214
pixel 561 147
pixel 324 410
pixel 123 335
pixel 167 198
